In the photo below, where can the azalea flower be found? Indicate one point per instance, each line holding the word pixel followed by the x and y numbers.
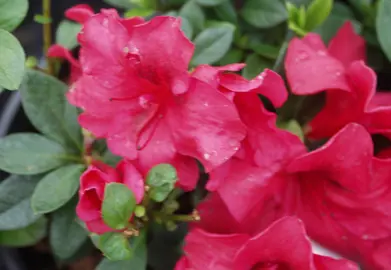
pixel 283 245
pixel 92 187
pixel 349 84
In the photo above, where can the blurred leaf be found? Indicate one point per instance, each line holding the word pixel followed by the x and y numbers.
pixel 264 13
pixel 165 249
pixel 317 13
pixel 187 28
pixel 118 205
pixel 44 101
pixel 66 34
pixel 115 246
pixel 301 17
pixel 210 3
pixel 233 56
pixel 161 179
pixel 255 65
pixel 12 13
pixel 126 4
pixel 266 50
pixel 30 153
pixel 66 235
pixel 383 21
pixel 294 127
pixel 15 208
pixel 142 12
pixel 332 24
pixel 138 260
pixel 111 159
pixel 56 188
pixel 212 44
pixel 12 59
pixel 226 12
pixel 27 236
pixel 39 18
pixel 194 14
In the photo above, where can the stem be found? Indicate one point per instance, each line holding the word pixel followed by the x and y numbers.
pixel 47 34
pixel 183 218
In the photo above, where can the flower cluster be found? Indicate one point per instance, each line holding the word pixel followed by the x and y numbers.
pixel 266 190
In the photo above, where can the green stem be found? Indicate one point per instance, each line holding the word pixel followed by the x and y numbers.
pixel 47 34
pixel 178 218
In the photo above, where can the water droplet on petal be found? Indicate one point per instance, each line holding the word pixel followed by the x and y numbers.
pixel 206 156
pixel 145 101
pixel 321 52
pixel 105 22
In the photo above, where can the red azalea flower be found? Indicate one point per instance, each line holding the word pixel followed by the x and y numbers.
pixel 347 192
pixel 92 187
pixel 136 92
pixel 283 245
pixel 350 97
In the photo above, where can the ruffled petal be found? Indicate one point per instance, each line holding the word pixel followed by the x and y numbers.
pixel 327 263
pixel 79 13
pixel 347 46
pixel 284 242
pixel 311 69
pixel 132 178
pixel 98 226
pixel 205 125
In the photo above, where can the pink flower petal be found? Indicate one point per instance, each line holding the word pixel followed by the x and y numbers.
pixel 204 124
pixel 79 13
pixel 132 178
pixel 347 46
pixel 327 263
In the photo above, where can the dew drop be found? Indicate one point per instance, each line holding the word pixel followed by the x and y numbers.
pixel 105 22
pixel 206 156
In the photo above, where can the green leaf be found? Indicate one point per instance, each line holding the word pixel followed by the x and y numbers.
pixel 301 17
pixel 111 159
pixel 118 205
pixel 226 12
pixel 187 28
pixel 115 246
pixel 233 56
pixel 317 13
pixel 383 21
pixel 266 50
pixel 66 235
pixel 264 13
pixel 56 188
pixel 15 208
pixel 330 27
pixel 66 34
pixel 27 236
pixel 138 260
pixel 12 13
pixel 30 153
pixel 294 127
pixel 164 249
pixel 42 19
pixel 43 99
pixel 194 14
pixel 161 180
pixel 126 4
pixel 255 65
pixel 210 3
pixel 212 44
pixel 12 60
pixel 142 12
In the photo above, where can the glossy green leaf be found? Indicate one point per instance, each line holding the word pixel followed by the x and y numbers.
pixel 212 44
pixel 115 246
pixel 66 34
pixel 194 14
pixel 210 3
pixel 27 236
pixel 15 208
pixel 44 101
pixel 56 188
pixel 233 56
pixel 255 64
pixel 118 205
pixel 226 12
pixel 161 179
pixel 266 50
pixel 138 261
pixel 126 4
pixel 30 153
pixel 66 235
pixel 317 13
pixel 383 22
pixel 12 13
pixel 12 60
pixel 264 13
